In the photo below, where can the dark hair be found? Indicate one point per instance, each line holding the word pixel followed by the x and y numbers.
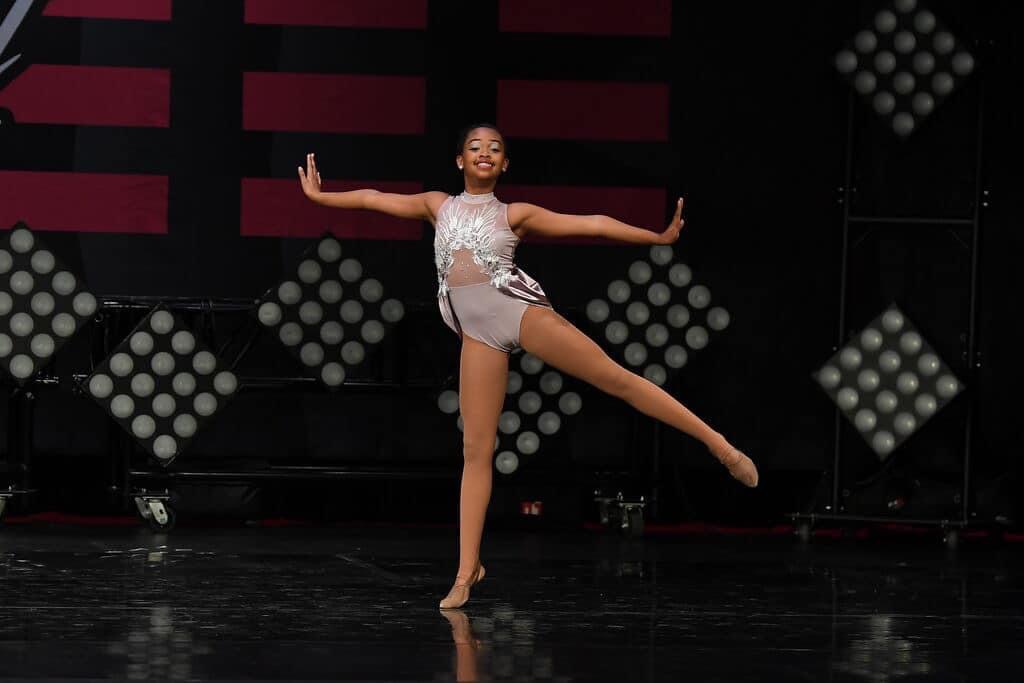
pixel 464 133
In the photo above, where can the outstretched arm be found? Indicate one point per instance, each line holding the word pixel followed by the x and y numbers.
pixel 423 205
pixel 540 221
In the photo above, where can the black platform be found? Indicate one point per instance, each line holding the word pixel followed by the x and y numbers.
pixel 336 603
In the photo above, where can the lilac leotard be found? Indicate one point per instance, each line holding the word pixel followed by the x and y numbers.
pixel 481 292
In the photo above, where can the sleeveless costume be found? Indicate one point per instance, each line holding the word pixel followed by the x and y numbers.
pixel 481 292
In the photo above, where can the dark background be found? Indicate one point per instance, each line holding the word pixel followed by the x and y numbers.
pixel 757 131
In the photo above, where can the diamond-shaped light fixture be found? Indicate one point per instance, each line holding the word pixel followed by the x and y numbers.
pixel 905 64
pixel 42 304
pixel 888 381
pixel 328 315
pixel 656 317
pixel 162 384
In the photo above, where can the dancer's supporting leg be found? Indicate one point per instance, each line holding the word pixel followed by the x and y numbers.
pixel 556 341
pixel 483 377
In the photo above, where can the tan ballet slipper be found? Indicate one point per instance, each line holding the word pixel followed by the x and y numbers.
pixel 459 593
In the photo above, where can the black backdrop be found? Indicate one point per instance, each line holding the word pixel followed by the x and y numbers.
pixel 755 142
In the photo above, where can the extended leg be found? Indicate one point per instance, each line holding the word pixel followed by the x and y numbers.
pixel 556 341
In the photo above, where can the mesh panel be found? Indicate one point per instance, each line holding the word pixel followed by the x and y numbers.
pixel 464 270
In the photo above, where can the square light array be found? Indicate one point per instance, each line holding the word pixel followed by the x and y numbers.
pixel 905 64
pixel 162 384
pixel 645 327
pixel 328 315
pixel 888 381
pixel 42 304
pixel 536 399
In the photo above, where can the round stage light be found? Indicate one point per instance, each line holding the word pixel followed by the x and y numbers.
pixel 204 404
pixel 100 386
pixel 225 383
pixel 551 382
pixel 289 293
pixel 829 377
pixel 597 310
pixel 570 403
pixel 530 364
pixel 928 364
pixel 637 313
pixel 312 354
pixel 925 405
pixel 184 342
pixel 907 383
pixel 847 398
pixel 203 362
pixel 661 254
pixel 351 311
pixel 529 402
pixel 163 364
pixel 22 366
pixel 372 331
pixel 904 424
pixel 269 314
pixel 865 41
pixel 871 339
pixel 164 405
pixel 350 270
pixel 329 250
pixel 353 353
pixel 718 318
pixel 616 332
pixel 143 385
pixel 506 462
pixel 122 406
pixel 924 63
pixel 371 290
pixel 680 275
pixel 311 313
pixel 699 296
pixel 63 325
pixel 656 374
pixel 22 241
pixel 183 384
pixel 143 426
pixel 141 343
pixel 161 322
pixel 185 426
pixel 889 361
pixel 676 356
pixel 884 102
pixel 509 422
pixel 886 401
pixel 392 310
pixel 885 62
pixel 618 291
pixel 333 374
pixel 883 442
pixel 548 422
pixel 42 262
pixel 678 315
pixel 924 22
pixel 528 443
pixel 868 380
pixel 656 335
pixel 696 337
pixel 635 354
pixel 332 333
pixel 659 294
pixel 165 447
pixel 865 420
pixel 330 291
pixel 309 271
pixel 640 272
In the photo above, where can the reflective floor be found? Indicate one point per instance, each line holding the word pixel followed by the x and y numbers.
pixel 343 604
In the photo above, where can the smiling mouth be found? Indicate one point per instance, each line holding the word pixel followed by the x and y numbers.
pixel 484 164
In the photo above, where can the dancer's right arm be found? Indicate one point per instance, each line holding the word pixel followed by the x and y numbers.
pixel 423 205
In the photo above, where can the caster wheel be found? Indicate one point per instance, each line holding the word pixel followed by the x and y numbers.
pixel 156 512
pixel 633 522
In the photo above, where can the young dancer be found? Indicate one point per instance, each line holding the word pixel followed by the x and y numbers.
pixel 494 307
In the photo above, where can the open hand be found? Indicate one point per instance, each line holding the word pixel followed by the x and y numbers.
pixel 310 177
pixel 671 233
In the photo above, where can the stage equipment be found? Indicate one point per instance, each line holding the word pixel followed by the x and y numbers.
pixel 328 315
pixel 644 326
pixel 161 384
pixel 537 398
pixel 905 64
pixel 888 381
pixel 42 304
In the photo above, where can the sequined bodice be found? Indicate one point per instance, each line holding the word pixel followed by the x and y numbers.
pixel 473 242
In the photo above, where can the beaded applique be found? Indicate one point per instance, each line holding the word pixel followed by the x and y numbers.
pixel 468 226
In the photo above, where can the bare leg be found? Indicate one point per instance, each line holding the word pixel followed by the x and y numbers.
pixel 556 341
pixel 483 376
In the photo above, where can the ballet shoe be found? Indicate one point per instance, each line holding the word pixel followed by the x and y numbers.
pixel 739 465
pixel 459 593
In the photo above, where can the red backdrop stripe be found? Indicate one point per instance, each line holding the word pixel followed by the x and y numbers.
pixel 633 18
pixel 408 14
pixel 643 207
pixel 274 207
pixel 84 202
pixel 148 10
pixel 90 96
pixel 584 110
pixel 332 103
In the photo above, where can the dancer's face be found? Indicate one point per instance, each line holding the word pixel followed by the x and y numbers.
pixel 483 155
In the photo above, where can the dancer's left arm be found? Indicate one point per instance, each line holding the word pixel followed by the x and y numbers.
pixel 537 220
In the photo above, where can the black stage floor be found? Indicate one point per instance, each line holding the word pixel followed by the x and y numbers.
pixel 361 604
